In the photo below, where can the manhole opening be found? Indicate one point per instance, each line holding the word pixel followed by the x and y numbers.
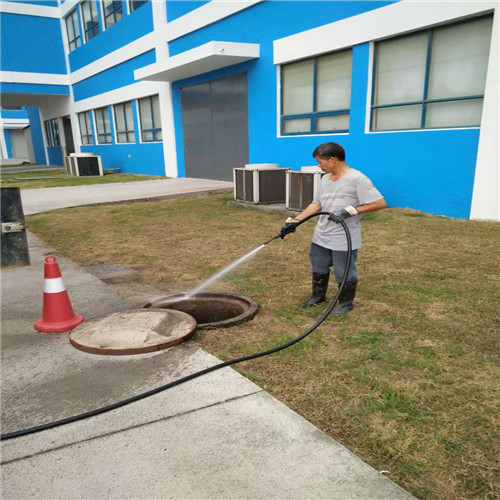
pixel 211 310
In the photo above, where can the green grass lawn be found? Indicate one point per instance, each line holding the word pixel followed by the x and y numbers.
pixel 22 179
pixel 408 380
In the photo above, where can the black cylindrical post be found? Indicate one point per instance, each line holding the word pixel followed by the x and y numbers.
pixel 14 241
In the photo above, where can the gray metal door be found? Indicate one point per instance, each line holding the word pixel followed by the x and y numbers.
pixel 68 135
pixel 215 127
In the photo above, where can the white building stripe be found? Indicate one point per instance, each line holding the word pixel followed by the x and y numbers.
pixel 396 19
pixel 40 78
pixel 29 9
pixel 53 285
pixel 486 193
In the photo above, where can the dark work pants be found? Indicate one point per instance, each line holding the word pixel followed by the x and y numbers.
pixel 323 258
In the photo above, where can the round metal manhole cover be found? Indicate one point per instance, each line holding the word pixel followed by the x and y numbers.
pixel 211 310
pixel 133 332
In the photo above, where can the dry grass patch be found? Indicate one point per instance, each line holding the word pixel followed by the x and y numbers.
pixel 408 380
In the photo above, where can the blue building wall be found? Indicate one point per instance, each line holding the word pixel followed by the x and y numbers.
pixel 178 8
pixel 47 3
pixel 394 160
pixel 36 135
pixel 14 113
pixel 130 28
pixel 137 158
pixel 113 78
pixel 55 155
pixel 37 41
pixel 8 143
pixel 33 88
pixel 131 158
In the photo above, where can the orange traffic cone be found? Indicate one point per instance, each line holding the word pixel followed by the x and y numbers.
pixel 58 315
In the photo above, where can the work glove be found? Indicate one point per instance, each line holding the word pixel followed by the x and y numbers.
pixel 289 227
pixel 345 213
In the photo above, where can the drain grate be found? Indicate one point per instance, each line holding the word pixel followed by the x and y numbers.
pixel 113 273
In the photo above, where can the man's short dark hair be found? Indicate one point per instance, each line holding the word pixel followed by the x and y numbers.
pixel 330 150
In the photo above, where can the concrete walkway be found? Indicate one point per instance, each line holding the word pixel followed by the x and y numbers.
pixel 43 200
pixel 216 437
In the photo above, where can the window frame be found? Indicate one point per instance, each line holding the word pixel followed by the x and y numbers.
pixel 77 40
pixel 88 135
pixel 112 14
pixel 52 132
pixel 94 9
pixel 154 129
pixel 127 131
pixel 424 101
pixel 132 3
pixel 313 115
pixel 105 133
pixel 48 133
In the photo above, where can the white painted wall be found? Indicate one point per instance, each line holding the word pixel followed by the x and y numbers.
pixel 486 194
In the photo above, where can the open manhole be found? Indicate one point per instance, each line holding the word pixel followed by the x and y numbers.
pixel 210 310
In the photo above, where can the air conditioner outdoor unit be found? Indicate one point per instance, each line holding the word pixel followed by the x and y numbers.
pixel 83 164
pixel 260 183
pixel 301 186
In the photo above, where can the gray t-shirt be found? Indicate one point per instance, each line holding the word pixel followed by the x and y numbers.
pixel 353 188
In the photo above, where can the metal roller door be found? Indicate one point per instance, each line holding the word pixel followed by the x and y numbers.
pixel 215 127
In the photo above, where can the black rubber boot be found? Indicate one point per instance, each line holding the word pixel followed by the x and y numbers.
pixel 319 288
pixel 346 299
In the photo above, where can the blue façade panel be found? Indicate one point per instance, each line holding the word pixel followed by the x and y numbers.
pixel 33 88
pixel 14 113
pixel 178 8
pixel 130 28
pixel 46 3
pixel 116 77
pixel 55 155
pixel 36 135
pixel 31 44
pixel 8 143
pixel 131 158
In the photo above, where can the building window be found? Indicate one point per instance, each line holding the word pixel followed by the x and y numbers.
pixel 85 128
pixel 149 108
pixel 52 132
pixel 90 19
pixel 48 133
pixel 316 94
pixel 124 122
pixel 433 78
pixel 103 126
pixel 113 12
pixel 73 31
pixel 135 4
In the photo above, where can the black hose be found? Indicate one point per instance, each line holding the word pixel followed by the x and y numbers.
pixel 114 406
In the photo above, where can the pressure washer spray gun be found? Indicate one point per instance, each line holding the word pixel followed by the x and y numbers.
pixel 291 224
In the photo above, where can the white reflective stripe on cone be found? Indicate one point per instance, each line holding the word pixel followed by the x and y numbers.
pixel 53 285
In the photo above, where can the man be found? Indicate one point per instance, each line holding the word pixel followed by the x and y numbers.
pixel 346 193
